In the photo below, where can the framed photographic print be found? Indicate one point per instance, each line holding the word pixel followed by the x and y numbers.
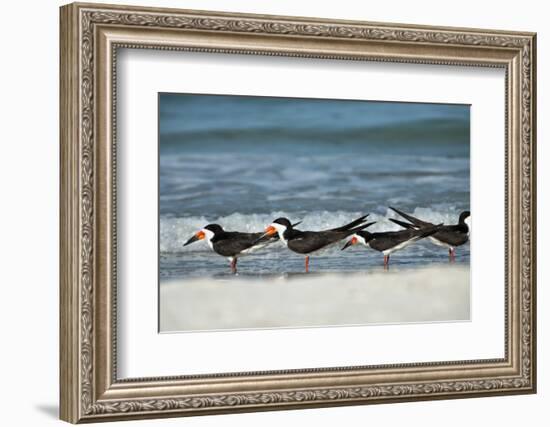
pixel 264 212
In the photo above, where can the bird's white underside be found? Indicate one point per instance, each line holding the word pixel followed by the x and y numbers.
pixel 399 246
pixel 440 243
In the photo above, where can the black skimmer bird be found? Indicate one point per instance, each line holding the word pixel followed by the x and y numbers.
pixel 389 242
pixel 231 244
pixel 448 236
pixel 308 242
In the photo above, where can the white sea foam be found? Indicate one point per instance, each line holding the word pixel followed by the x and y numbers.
pixel 174 232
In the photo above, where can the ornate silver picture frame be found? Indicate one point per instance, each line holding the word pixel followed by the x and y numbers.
pixel 91 35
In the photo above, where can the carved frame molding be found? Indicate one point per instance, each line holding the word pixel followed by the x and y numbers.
pixel 90 37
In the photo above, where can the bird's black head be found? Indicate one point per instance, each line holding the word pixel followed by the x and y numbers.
pixel 277 227
pixel 200 235
pixel 283 221
pixel 361 236
pixel 463 216
pixel 214 228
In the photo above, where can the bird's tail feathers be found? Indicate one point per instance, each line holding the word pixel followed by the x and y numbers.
pixel 352 224
pixel 403 223
pixel 417 222
pixel 361 227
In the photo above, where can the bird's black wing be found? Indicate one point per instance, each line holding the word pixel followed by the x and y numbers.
pixel 305 242
pixel 231 243
pixel 311 241
pixel 389 239
pixel 454 235
pixel 428 231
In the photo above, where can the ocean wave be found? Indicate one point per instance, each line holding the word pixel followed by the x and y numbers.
pixel 174 231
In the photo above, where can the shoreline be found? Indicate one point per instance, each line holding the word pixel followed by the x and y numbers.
pixel 293 300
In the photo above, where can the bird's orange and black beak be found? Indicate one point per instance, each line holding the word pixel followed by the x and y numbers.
pixel 270 230
pixel 199 235
pixel 350 242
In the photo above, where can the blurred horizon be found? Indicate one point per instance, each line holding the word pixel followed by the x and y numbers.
pixel 193 120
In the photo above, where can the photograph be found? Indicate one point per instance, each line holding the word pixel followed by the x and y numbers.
pixel 299 212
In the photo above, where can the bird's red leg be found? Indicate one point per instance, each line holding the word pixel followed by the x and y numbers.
pixel 452 257
pixel 386 261
pixel 234 265
pixel 307 264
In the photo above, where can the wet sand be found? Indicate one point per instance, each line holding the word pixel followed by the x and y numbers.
pixel 429 294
